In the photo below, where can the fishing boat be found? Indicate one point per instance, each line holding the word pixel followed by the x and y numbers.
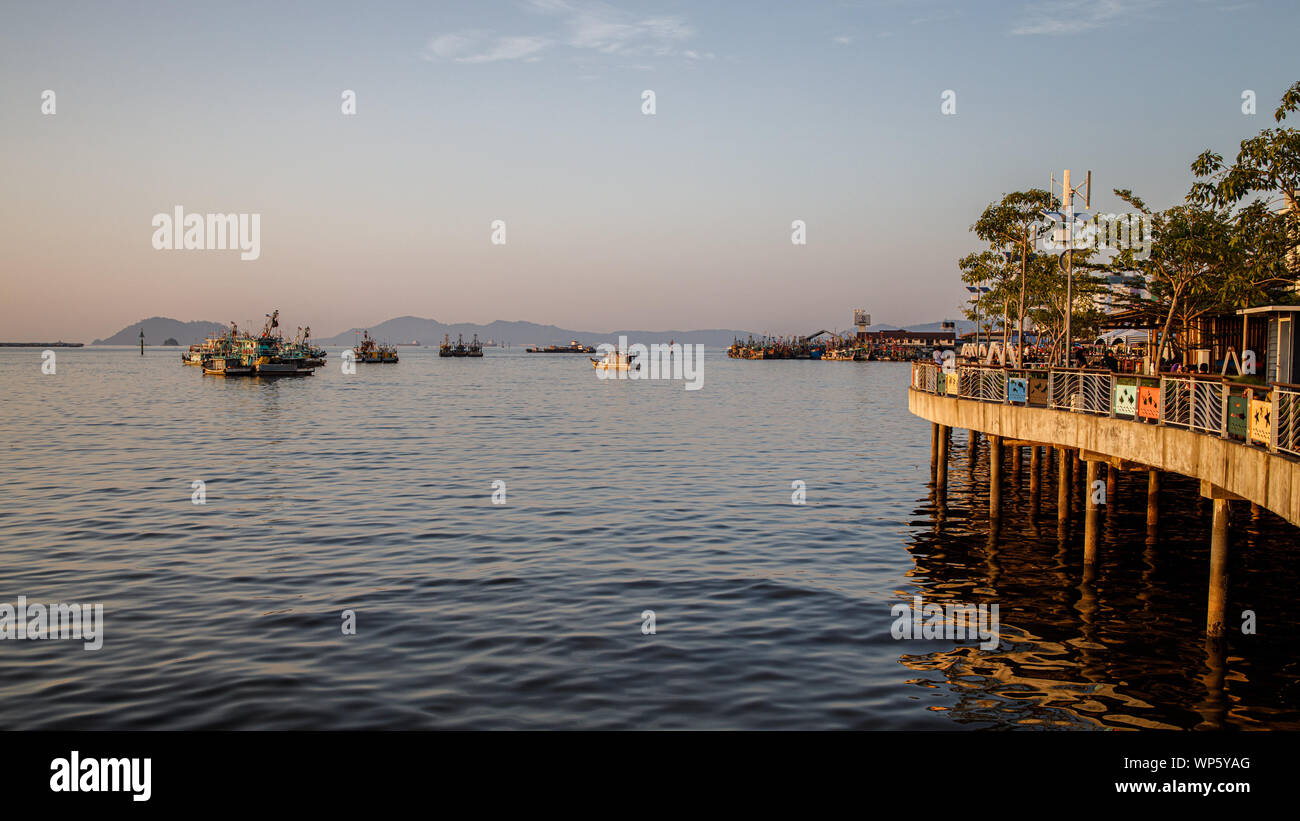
pixel 474 348
pixel 226 366
pixel 368 350
pixel 573 347
pixel 268 354
pixel 312 355
pixel 614 361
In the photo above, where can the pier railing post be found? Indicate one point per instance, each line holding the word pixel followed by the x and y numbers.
pixel 1273 417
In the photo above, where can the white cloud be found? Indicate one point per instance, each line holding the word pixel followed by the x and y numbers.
pixel 1076 16
pixel 480 47
pixel 842 40
pixel 588 26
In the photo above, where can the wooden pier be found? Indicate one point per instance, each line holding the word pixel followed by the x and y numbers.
pixel 1187 425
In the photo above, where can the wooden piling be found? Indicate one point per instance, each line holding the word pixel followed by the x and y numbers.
pixel 1062 485
pixel 1091 509
pixel 941 463
pixel 1153 497
pixel 934 447
pixel 995 477
pixel 1217 611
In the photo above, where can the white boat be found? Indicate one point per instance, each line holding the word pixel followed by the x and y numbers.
pixel 614 361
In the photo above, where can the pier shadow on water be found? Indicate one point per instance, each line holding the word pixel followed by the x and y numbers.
pixel 1121 646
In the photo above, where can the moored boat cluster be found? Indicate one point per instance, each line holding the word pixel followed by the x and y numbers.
pixel 846 348
pixel 368 350
pixel 238 353
pixel 474 348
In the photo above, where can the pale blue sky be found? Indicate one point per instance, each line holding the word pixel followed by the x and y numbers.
pixel 530 112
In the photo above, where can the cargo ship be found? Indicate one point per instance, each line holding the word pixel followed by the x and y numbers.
pixel 573 347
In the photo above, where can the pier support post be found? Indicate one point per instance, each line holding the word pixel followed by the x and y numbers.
pixel 1091 509
pixel 941 466
pixel 1112 481
pixel 1153 497
pixel 1077 476
pixel 934 447
pixel 995 477
pixel 1217 608
pixel 1062 485
pixel 1217 612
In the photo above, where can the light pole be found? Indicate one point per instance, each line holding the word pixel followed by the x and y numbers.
pixel 1067 207
pixel 976 293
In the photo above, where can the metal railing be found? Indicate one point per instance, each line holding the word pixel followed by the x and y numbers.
pixel 1176 401
pixel 1080 390
pixel 1208 407
pixel 1286 419
pixel 1265 416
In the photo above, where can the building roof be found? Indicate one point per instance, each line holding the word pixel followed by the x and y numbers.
pixel 1263 309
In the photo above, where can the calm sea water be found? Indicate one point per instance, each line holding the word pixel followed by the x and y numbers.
pixel 373 493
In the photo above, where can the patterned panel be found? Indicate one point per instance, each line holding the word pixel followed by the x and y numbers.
pixel 1261 420
pixel 1037 390
pixel 1126 398
pixel 1149 402
pixel 954 383
pixel 1017 389
pixel 1237 416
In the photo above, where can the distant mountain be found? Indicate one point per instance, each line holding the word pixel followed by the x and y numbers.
pixel 431 331
pixel 158 329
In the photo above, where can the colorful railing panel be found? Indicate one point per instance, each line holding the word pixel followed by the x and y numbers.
pixel 1148 402
pixel 1038 394
pixel 1237 411
pixel 1261 421
pixel 1017 389
pixel 1126 398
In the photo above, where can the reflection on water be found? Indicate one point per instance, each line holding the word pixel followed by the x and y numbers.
pixel 372 493
pixel 1120 646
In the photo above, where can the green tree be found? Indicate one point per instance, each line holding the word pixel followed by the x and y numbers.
pixel 1196 263
pixel 1010 227
pixel 1267 227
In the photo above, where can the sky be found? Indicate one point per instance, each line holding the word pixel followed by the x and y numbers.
pixel 531 112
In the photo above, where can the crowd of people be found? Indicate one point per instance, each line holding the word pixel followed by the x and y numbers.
pixel 1101 358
